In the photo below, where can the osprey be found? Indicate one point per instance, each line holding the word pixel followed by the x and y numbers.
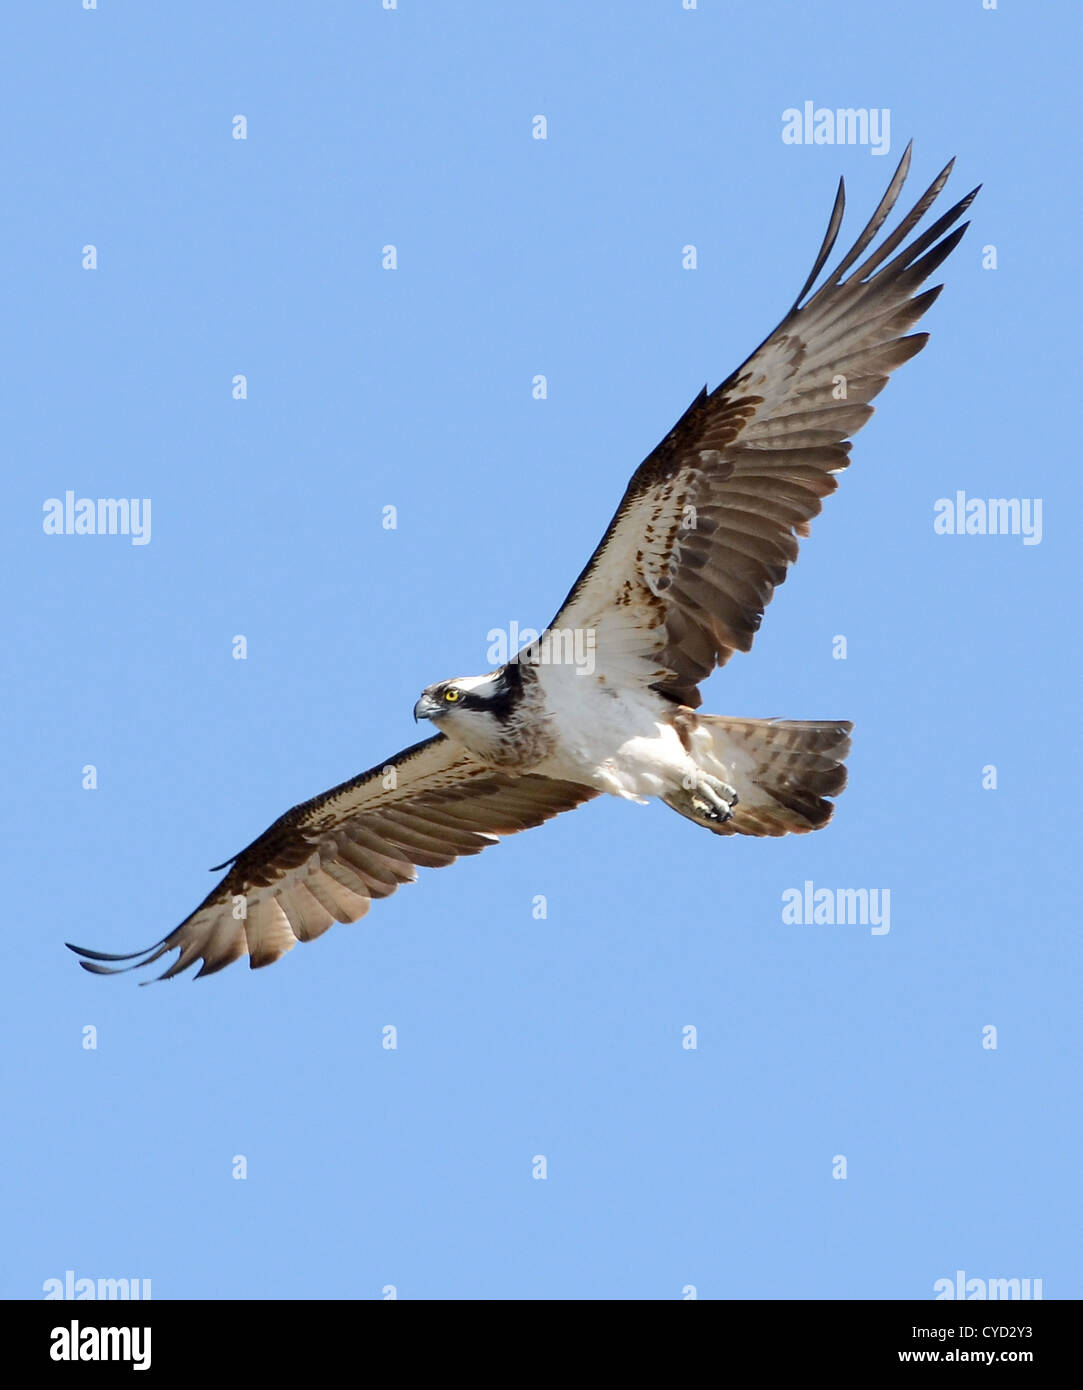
pixel 706 530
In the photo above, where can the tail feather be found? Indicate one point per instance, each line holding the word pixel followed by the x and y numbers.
pixel 782 769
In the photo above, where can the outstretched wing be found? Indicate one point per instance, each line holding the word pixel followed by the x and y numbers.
pixel 325 860
pixel 709 523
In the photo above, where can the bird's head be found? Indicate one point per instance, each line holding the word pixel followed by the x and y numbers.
pixel 473 710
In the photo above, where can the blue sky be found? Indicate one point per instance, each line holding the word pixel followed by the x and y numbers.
pixel 667 1168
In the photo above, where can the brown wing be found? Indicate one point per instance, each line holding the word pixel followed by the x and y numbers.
pixel 325 860
pixel 709 523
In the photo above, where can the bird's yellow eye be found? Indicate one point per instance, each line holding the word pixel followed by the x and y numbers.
pixel 452 695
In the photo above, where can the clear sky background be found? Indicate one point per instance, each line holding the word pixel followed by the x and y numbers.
pixel 667 1167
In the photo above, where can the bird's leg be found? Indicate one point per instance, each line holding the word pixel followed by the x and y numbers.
pixel 713 800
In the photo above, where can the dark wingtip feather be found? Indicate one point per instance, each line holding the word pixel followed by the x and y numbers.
pixel 90 959
pixel 99 969
pixel 95 969
pixel 105 955
pixel 157 979
pixel 877 220
pixel 834 225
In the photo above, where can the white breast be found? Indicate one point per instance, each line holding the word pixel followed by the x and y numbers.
pixel 618 740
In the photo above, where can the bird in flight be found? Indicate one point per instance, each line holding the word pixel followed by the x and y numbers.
pixel 706 530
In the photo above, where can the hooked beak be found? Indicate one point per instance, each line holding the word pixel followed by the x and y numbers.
pixel 425 708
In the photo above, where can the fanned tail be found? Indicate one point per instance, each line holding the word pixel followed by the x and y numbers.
pixel 783 771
